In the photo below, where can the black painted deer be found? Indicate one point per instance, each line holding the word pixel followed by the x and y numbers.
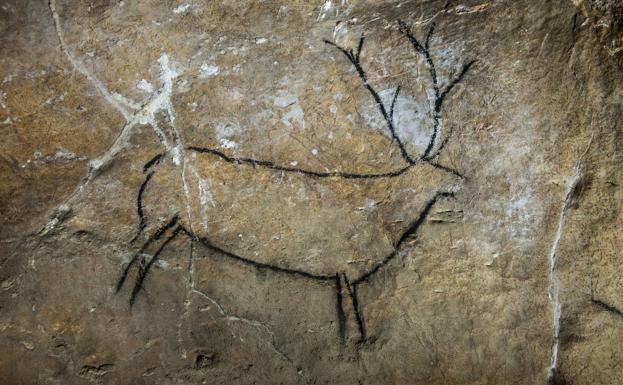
pixel 227 204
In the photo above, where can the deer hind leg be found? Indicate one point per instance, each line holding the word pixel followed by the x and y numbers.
pixel 345 292
pixel 138 258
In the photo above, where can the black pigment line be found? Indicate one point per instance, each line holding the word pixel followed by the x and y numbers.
pixel 405 235
pixel 443 143
pixel 149 241
pixel 422 217
pixel 375 269
pixel 139 198
pixel 144 270
pixel 423 50
pixel 456 80
pixel 359 48
pixel 259 265
pixel 428 36
pixel 439 104
pixel 440 96
pixel 335 174
pixel 402 27
pixel 608 307
pixel 153 161
pixel 410 231
pixel 340 280
pixel 167 226
pixel 341 318
pixel 391 110
pixel 445 168
pixel 352 290
pixel 273 166
pixel 188 233
pixel 139 206
pixel 124 273
pixel 354 59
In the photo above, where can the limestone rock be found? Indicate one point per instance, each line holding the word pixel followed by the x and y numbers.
pixel 311 192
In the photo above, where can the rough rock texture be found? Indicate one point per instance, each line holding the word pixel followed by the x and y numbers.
pixel 247 192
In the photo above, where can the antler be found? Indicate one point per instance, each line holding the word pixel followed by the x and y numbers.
pixel 387 116
pixel 440 95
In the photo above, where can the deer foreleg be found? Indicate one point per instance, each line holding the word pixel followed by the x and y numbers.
pixel 132 262
pixel 145 267
pixel 155 237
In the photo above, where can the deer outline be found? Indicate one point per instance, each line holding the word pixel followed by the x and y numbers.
pixel 344 287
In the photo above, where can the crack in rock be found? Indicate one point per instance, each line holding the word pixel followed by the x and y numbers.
pixel 133 113
pixel 554 281
pixel 225 315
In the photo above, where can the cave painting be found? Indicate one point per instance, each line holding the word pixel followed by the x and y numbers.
pixel 184 184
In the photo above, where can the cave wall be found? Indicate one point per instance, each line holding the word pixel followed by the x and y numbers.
pixel 311 192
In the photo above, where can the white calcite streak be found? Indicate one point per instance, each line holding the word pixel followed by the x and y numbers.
pixel 206 198
pixel 209 70
pixel 160 101
pixel 132 112
pixel 123 105
pixel 134 115
pixel 329 10
pixel 554 282
pixel 181 9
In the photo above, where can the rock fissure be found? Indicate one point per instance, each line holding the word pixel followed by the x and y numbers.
pixel 554 281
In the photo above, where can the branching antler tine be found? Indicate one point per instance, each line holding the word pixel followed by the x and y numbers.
pixel 402 27
pixel 360 47
pixel 456 80
pixel 347 53
pixel 438 104
pixel 432 149
pixel 442 145
pixel 423 50
pixel 354 59
pixel 428 36
pixel 391 111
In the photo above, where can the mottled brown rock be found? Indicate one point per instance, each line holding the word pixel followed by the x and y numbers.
pixel 244 192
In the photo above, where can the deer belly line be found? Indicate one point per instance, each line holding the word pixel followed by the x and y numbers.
pixel 258 215
pixel 321 247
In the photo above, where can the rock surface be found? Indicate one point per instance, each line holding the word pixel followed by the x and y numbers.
pixel 439 202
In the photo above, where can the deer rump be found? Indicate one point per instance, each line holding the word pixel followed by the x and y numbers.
pixel 286 219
